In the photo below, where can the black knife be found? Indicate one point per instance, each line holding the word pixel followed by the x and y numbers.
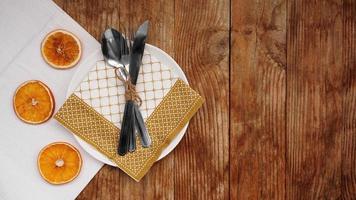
pixel 138 49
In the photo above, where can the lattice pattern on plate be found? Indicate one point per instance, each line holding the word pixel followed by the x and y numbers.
pixel 106 94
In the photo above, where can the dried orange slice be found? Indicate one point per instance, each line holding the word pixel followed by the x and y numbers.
pixel 61 49
pixel 59 163
pixel 33 102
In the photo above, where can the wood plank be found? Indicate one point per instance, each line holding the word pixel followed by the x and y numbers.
pixel 158 183
pixel 258 84
pixel 93 15
pixel 201 48
pixel 348 155
pixel 315 93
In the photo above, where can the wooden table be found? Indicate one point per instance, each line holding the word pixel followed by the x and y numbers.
pixel 279 79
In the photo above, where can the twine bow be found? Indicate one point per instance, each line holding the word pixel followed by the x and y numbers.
pixel 130 90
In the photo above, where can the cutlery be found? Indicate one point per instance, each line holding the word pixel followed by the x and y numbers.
pixel 119 51
pixel 138 48
pixel 115 51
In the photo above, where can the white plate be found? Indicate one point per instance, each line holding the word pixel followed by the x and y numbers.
pixel 165 59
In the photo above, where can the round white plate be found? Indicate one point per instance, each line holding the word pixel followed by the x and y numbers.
pixel 165 59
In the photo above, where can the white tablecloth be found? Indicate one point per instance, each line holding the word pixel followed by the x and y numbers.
pixel 23 25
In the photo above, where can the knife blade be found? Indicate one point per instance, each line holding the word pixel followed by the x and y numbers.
pixel 138 48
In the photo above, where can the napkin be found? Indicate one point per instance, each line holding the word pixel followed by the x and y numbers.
pixel 23 25
pixel 95 110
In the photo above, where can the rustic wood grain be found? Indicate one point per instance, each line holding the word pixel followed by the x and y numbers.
pixel 201 44
pixel 318 82
pixel 348 82
pixel 306 105
pixel 158 183
pixel 279 80
pixel 258 84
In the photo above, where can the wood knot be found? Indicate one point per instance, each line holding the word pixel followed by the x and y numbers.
pixel 217 44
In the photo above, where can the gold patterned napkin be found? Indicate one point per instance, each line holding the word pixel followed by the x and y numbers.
pixel 94 111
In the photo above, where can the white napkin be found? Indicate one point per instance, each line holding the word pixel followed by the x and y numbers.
pixel 23 25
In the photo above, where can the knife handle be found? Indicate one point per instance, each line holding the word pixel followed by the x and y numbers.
pixel 141 128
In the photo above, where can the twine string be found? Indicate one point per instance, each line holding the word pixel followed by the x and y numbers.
pixel 130 90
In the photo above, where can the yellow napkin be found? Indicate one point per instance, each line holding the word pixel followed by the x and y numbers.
pixel 166 120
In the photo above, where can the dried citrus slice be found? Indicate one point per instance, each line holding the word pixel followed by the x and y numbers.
pixel 59 163
pixel 61 49
pixel 33 102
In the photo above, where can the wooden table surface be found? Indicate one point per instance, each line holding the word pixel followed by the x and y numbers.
pixel 279 79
